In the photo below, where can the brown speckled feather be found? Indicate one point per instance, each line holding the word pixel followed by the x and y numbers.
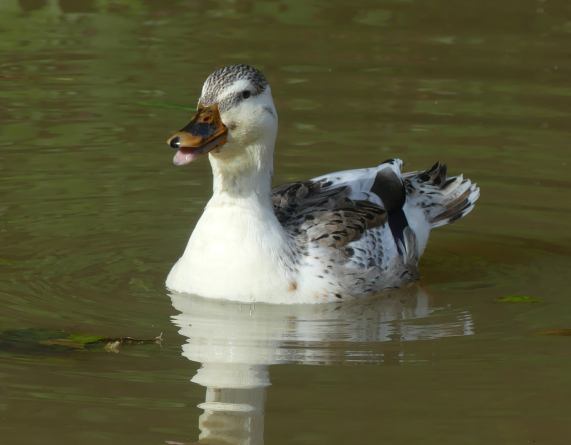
pixel 314 212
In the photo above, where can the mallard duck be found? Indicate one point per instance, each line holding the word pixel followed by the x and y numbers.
pixel 341 235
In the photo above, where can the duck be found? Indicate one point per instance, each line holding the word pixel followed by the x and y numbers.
pixel 335 237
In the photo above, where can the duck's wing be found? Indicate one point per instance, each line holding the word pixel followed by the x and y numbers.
pixel 348 230
pixel 324 211
pixel 377 192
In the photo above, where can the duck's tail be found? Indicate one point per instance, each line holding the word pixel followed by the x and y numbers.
pixel 443 200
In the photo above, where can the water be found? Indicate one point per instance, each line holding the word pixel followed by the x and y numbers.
pixel 93 214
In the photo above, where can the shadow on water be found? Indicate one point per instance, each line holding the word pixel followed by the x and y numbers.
pixel 235 344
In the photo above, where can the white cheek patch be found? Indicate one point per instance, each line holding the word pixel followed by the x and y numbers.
pixel 250 112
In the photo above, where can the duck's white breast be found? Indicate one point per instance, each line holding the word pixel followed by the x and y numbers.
pixel 236 252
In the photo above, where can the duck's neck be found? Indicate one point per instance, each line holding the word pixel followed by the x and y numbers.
pixel 243 178
pixel 238 248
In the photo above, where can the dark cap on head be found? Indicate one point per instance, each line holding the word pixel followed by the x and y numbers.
pixel 224 77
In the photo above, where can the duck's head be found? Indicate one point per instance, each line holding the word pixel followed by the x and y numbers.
pixel 235 111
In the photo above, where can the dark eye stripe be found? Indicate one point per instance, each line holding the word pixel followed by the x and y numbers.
pixel 210 96
pixel 232 101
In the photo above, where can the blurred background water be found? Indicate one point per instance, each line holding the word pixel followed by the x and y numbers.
pixel 93 215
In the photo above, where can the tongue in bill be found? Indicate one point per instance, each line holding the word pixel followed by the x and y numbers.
pixel 183 157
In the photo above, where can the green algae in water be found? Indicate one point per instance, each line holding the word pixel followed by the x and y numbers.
pixel 35 340
pixel 518 299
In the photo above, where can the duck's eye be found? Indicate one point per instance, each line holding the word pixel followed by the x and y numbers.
pixel 246 94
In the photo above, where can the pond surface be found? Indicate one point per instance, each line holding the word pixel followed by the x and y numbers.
pixel 93 215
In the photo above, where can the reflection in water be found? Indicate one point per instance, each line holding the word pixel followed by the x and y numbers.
pixel 235 344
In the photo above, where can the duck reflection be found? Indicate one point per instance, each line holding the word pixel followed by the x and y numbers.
pixel 236 343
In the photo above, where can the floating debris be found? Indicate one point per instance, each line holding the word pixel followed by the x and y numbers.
pixel 45 340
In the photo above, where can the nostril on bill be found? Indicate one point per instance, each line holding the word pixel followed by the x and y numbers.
pixel 175 142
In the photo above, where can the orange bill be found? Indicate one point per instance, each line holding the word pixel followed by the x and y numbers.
pixel 204 133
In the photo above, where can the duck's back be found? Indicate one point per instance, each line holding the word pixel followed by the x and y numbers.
pixel 357 232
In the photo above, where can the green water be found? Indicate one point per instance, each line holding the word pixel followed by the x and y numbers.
pixel 93 215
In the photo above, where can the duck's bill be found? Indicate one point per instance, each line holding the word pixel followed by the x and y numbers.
pixel 185 155
pixel 204 133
